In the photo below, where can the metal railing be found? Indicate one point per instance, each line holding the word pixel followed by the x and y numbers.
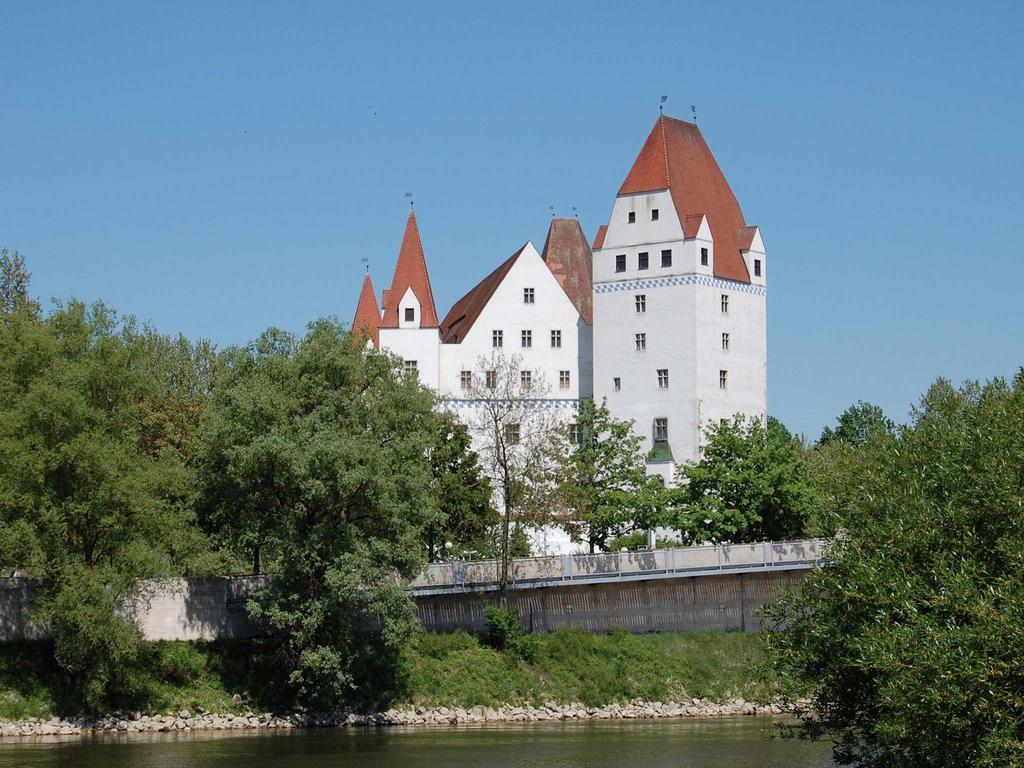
pixel 563 570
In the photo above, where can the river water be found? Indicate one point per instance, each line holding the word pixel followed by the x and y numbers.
pixel 720 743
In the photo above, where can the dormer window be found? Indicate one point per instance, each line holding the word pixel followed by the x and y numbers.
pixel 757 267
pixel 527 295
pixel 654 214
pixel 410 314
pixel 631 217
pixel 703 257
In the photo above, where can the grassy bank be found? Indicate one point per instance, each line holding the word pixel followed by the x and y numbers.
pixel 436 670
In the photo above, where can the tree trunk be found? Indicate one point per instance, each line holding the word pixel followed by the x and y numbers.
pixel 256 560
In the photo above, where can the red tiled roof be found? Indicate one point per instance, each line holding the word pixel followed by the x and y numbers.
pixel 410 272
pixel 366 323
pixel 463 314
pixel 599 237
pixel 676 157
pixel 569 258
pixel 745 237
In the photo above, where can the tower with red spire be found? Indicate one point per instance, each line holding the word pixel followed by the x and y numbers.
pixel 679 298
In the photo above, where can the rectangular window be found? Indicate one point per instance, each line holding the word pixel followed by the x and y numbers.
pixel 410 314
pixel 556 338
pixel 526 379
pixel 410 366
pixel 527 295
pixel 616 383
pixel 723 379
pixel 642 260
pixel 512 434
pixel 641 342
pixel 661 429
pixel 757 267
pixel 574 434
pixel 666 258
pixel 466 379
pixel 563 379
pixel 703 257
pixel 725 342
pixel 527 339
pixel 620 263
pixel 725 303
pixel 491 379
pixel 654 214
pixel 631 217
pixel 641 302
pixel 663 378
pixel 497 339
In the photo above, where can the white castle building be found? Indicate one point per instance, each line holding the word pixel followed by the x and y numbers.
pixel 664 318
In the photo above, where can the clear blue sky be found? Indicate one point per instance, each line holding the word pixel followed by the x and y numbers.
pixel 217 168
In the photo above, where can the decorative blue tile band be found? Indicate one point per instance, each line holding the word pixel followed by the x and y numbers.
pixel 540 403
pixel 665 282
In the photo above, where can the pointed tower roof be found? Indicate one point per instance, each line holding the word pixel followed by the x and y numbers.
pixel 410 272
pixel 676 157
pixel 367 319
pixel 571 262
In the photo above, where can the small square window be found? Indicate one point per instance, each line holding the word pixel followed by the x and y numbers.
pixel 663 378
pixel 491 379
pixel 526 379
pixel 527 295
pixel 723 379
pixel 703 257
pixel 661 429
pixel 512 434
pixel 631 217
pixel 563 379
pixel 641 342
pixel 757 267
pixel 642 260
pixel 410 366
pixel 641 302
pixel 725 303
pixel 666 258
pixel 497 339
pixel 616 383
pixel 725 342
pixel 556 339
pixel 654 214
pixel 526 337
pixel 466 379
pixel 410 314
pixel 620 263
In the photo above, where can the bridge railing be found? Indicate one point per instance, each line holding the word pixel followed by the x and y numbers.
pixel 617 566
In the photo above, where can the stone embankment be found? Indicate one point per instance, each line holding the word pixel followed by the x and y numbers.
pixel 185 721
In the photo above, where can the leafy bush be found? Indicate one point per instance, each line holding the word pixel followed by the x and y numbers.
pixel 504 632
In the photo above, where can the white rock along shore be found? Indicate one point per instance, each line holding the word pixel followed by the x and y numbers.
pixel 135 722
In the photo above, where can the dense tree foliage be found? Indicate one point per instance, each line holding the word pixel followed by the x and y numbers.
pixel 909 641
pixel 600 479
pixel 320 452
pixel 95 489
pixel 750 484
pixel 857 425
pixel 14 285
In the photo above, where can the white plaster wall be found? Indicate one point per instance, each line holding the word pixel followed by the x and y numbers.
pixel 419 344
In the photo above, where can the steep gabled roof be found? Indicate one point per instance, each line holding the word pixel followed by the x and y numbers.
pixel 466 310
pixel 410 272
pixel 599 237
pixel 676 157
pixel 571 262
pixel 366 323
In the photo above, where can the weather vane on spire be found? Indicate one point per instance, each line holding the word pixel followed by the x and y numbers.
pixel 408 196
pixel 693 110
pixel 575 212
pixel 552 209
pixel 661 105
pixel 366 261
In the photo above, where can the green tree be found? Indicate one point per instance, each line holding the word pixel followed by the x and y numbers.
pixel 908 642
pixel 94 496
pixel 331 445
pixel 462 496
pixel 856 425
pixel 600 478
pixel 751 484
pixel 14 284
